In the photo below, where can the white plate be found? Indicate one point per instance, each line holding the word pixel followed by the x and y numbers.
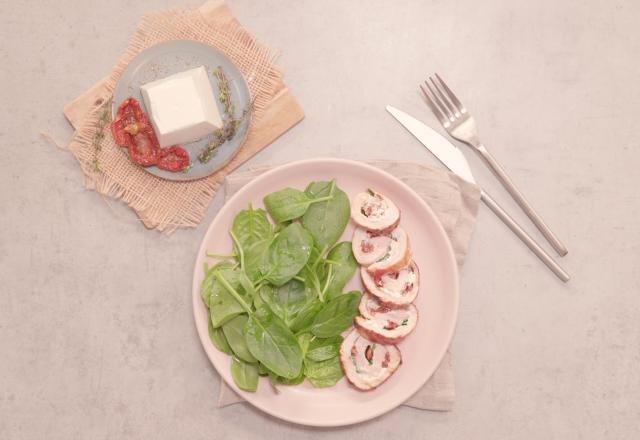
pixel 437 301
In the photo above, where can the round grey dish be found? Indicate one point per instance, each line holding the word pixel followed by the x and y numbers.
pixel 176 56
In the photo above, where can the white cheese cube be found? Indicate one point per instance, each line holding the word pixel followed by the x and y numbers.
pixel 182 107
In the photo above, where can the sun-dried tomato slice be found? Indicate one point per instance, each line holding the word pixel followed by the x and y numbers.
pixel 131 129
pixel 174 158
pixel 143 152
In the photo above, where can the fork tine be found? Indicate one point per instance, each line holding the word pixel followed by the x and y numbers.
pixel 444 107
pixel 434 108
pixel 444 98
pixel 454 99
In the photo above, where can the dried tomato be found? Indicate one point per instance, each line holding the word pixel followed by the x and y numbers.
pixel 131 129
pixel 143 152
pixel 174 159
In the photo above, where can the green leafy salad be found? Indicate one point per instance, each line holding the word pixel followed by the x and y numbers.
pixel 277 304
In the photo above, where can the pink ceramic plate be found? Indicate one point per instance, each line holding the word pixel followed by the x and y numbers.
pixel 437 300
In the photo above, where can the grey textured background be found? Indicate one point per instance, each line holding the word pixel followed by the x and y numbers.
pixel 97 339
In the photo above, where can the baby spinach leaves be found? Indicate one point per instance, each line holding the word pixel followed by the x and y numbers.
pixel 290 204
pixel 336 316
pixel 343 266
pixel 273 344
pixel 219 339
pixel 306 315
pixel 250 225
pixel 325 373
pixel 321 349
pixel 278 309
pixel 288 254
pixel 287 300
pixel 245 375
pixel 234 332
pixel 222 305
pixel 327 220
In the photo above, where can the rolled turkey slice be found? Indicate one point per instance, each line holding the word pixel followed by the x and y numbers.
pixel 397 256
pixel 374 212
pixel 369 246
pixel 383 324
pixel 367 364
pixel 395 289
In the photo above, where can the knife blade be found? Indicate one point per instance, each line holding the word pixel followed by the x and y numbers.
pixel 441 148
pixel 453 159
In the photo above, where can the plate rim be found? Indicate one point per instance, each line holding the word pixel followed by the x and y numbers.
pixel 197 299
pixel 245 136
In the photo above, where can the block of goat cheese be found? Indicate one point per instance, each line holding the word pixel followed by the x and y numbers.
pixel 182 107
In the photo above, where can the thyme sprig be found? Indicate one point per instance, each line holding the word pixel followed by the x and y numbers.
pixel 103 121
pixel 230 124
pixel 225 93
pixel 220 136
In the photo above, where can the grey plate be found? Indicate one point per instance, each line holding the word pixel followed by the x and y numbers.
pixel 171 57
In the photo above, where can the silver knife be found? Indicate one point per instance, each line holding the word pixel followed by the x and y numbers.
pixel 453 159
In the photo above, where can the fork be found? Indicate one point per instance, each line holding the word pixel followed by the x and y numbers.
pixel 460 125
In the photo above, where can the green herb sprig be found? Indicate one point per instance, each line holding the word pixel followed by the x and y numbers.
pixel 230 124
pixel 103 121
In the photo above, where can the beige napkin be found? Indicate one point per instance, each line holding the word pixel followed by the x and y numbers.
pixel 455 202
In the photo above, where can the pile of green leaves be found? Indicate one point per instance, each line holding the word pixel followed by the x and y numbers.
pixel 277 306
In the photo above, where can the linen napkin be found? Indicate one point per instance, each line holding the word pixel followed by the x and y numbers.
pixel 455 203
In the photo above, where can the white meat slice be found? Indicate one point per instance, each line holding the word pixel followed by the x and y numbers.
pixel 395 289
pixel 369 246
pixel 397 256
pixel 383 324
pixel 374 211
pixel 367 364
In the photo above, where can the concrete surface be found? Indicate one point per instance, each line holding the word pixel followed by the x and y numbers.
pixel 97 339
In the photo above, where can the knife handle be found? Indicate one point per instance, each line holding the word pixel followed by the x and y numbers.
pixel 526 238
pixel 506 181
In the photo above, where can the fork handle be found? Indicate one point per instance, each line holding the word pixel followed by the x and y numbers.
pixel 506 181
pixel 526 238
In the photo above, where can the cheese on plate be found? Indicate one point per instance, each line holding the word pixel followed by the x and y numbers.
pixel 182 107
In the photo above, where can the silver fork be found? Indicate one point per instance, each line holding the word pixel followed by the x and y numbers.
pixel 460 125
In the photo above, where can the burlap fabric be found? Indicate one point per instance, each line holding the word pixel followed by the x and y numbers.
pixel 162 204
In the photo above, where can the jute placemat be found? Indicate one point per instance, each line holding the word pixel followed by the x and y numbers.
pixel 455 202
pixel 162 204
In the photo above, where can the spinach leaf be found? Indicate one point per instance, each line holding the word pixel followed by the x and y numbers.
pixel 343 267
pixel 306 315
pixel 257 300
pixel 256 257
pixel 244 375
pixel 219 340
pixel 284 381
pixel 323 374
pixel 248 287
pixel 209 279
pixel 234 332
pixel 273 344
pixel 304 340
pixel 251 225
pixel 326 220
pixel 288 254
pixel 321 349
pixel 262 370
pixel 222 305
pixel 336 316
pixel 287 300
pixel 289 204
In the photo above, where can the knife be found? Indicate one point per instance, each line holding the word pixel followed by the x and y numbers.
pixel 453 159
